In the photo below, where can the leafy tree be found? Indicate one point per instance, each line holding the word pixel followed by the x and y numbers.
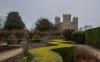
pixel 14 21
pixel 67 34
pixel 43 24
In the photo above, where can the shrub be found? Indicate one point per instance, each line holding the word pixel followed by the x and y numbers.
pixel 23 59
pixel 36 38
pixel 67 34
pixel 29 56
pixel 59 36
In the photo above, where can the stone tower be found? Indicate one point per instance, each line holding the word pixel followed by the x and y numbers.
pixel 75 23
pixel 66 21
pixel 57 21
pixel 66 17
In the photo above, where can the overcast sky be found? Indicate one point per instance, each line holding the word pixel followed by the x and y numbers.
pixel 88 11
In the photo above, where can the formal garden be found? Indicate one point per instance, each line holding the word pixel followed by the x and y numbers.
pixel 45 43
pixel 52 52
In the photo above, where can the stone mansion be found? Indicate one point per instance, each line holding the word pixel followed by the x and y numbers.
pixel 68 22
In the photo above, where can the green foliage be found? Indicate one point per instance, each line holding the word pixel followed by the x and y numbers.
pixel 23 59
pixel 78 37
pixel 43 25
pixel 93 37
pixel 67 34
pixel 66 50
pixel 36 38
pixel 29 57
pixel 66 53
pixel 58 35
pixel 14 21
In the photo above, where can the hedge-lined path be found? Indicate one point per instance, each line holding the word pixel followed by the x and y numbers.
pixel 9 54
pixel 53 51
pixel 85 53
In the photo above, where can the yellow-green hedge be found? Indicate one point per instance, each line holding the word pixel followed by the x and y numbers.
pixel 64 48
pixel 57 51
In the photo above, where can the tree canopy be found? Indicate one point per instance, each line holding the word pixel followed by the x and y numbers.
pixel 43 24
pixel 14 21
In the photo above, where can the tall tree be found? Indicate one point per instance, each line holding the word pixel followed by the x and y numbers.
pixel 14 21
pixel 43 24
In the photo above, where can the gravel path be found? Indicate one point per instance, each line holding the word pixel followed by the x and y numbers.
pixel 8 54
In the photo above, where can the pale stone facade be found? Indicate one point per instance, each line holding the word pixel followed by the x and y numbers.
pixel 67 23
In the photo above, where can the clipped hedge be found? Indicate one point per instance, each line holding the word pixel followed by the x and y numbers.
pixel 93 37
pixel 66 53
pixel 55 51
pixel 65 49
pixel 78 37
